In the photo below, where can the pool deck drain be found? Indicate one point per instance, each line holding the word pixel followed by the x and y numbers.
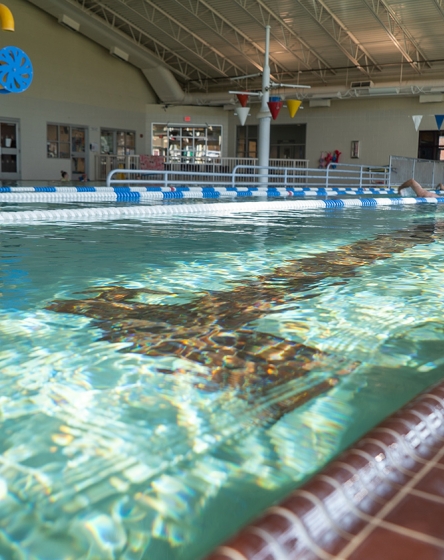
pixel 383 498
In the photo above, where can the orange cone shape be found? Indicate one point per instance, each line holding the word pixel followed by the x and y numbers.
pixel 293 106
pixel 243 98
pixel 275 107
pixel 242 113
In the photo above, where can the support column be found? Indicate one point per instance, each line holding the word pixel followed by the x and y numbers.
pixel 264 115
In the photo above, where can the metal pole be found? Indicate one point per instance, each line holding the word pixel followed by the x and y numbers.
pixel 264 115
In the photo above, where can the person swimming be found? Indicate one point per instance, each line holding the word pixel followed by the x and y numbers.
pixel 419 190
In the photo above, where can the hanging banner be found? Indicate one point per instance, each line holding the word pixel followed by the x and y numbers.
pixel 242 113
pixel 417 120
pixel 439 120
pixel 275 105
pixel 293 106
pixel 243 98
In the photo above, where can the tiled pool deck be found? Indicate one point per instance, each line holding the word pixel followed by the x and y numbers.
pixel 383 499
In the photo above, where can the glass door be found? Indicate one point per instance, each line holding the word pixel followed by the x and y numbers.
pixel 9 150
pixel 78 153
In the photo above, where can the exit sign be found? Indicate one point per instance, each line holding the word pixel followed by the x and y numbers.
pixel 187 119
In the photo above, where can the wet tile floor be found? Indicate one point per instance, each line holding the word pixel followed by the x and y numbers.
pixel 383 499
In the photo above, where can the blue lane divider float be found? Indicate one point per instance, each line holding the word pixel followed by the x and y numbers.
pixel 53 194
pixel 125 212
pixel 210 188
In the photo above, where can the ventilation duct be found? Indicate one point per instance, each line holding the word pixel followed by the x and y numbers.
pixel 384 91
pixel 362 85
pixel 161 79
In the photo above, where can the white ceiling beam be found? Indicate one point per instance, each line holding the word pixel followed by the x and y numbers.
pixel 286 37
pixel 187 38
pixel 176 62
pixel 147 11
pixel 228 32
pixel 344 39
pixel 398 33
pixel 440 6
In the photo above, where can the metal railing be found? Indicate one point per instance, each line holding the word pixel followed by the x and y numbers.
pixel 427 172
pixel 337 175
pixel 351 175
pixel 105 163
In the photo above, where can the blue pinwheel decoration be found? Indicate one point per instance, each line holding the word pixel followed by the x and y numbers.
pixel 16 70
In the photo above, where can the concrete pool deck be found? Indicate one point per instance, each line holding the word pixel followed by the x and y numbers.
pixel 383 498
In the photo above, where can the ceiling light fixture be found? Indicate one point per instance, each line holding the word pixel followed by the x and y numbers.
pixel 118 53
pixel 68 22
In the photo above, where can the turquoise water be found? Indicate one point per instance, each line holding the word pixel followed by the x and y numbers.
pixel 154 396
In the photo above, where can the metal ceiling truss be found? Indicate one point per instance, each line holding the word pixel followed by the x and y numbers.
pixel 343 38
pixel 186 39
pixel 284 35
pixel 398 33
pixel 177 63
pixel 148 11
pixel 173 28
pixel 231 34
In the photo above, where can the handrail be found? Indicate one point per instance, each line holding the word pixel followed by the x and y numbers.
pixel 345 175
pixel 104 163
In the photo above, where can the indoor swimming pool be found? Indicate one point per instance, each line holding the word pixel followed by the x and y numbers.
pixel 164 379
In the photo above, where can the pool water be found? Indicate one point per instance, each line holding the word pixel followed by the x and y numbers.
pixel 164 380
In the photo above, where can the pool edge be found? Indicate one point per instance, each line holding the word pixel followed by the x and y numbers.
pixel 361 497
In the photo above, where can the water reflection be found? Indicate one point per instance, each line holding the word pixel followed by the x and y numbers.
pixel 132 418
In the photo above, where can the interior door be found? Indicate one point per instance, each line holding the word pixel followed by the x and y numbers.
pixel 9 150
pixel 78 152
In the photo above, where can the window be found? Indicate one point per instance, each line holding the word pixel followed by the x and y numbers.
pixel 58 141
pixel 187 144
pixel 68 143
pixel 247 141
pixel 287 141
pixel 117 142
pixel 431 145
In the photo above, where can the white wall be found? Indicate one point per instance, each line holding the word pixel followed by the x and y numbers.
pixel 384 127
pixel 75 82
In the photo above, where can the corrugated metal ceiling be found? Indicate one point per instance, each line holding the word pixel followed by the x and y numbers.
pixel 206 43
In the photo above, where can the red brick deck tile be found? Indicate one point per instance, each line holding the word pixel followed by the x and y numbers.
pixel 401 450
pixel 380 466
pixel 248 545
pixel 419 514
pixel 416 441
pixel 317 523
pixel 292 541
pixel 392 462
pixel 424 422
pixel 433 483
pixel 324 518
pixel 382 544
pixel 232 551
